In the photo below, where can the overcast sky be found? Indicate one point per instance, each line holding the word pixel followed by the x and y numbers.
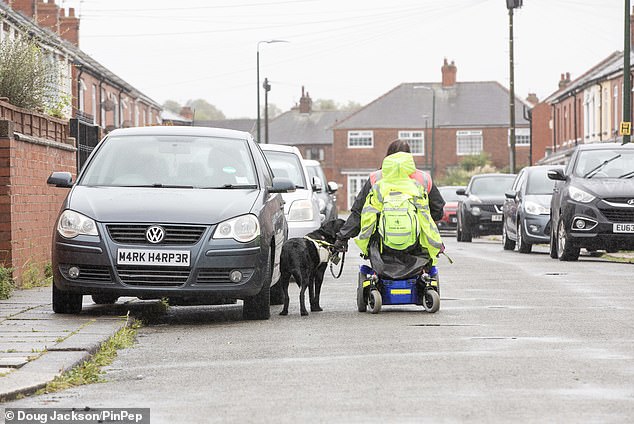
pixel 345 50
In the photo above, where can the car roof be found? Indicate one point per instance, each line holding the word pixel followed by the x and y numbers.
pixel 604 146
pixel 182 130
pixel 499 174
pixel 311 162
pixel 281 148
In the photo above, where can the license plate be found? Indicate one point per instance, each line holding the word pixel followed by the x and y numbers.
pixel 496 218
pixel 453 219
pixel 153 257
pixel 623 228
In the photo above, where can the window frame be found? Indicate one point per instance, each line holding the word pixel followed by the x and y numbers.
pixel 367 133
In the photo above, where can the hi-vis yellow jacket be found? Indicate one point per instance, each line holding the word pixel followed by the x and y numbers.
pixel 398 173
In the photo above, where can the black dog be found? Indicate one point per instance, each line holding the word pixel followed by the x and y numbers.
pixel 300 258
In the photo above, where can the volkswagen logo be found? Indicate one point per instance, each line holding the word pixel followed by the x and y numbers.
pixel 155 234
pixel 630 202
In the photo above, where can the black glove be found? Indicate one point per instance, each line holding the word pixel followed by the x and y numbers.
pixel 341 245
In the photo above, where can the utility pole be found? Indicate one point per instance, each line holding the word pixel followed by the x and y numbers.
pixel 512 4
pixel 626 125
pixel 267 88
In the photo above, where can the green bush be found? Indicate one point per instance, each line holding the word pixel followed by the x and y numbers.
pixel 6 283
pixel 28 78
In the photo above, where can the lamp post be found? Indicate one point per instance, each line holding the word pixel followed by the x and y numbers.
pixel 433 126
pixel 258 76
pixel 510 5
pixel 627 78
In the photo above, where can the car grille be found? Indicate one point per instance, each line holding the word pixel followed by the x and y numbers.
pixel 619 215
pixel 88 273
pixel 220 275
pixel 490 208
pixel 153 276
pixel 174 234
pixel 618 200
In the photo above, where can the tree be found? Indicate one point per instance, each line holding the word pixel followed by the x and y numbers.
pixel 27 79
pixel 468 166
pixel 204 111
pixel 172 106
pixel 274 111
pixel 329 104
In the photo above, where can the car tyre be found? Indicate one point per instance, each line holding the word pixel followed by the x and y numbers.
pixel 466 235
pixel 565 252
pixel 258 307
pixel 104 299
pixel 65 302
pixel 522 245
pixel 277 294
pixel 553 240
pixel 508 243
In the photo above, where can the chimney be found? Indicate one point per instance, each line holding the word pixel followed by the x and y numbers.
pixel 47 15
pixel 69 26
pixel 448 74
pixel 564 80
pixel 27 7
pixel 187 112
pixel 532 99
pixel 305 103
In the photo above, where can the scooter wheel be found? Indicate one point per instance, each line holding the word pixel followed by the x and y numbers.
pixel 375 301
pixel 362 303
pixel 431 301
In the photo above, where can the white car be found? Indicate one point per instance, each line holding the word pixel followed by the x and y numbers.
pixel 302 206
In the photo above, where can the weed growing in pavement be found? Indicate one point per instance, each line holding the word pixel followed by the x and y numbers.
pixel 154 312
pixel 91 370
pixel 6 282
pixel 34 276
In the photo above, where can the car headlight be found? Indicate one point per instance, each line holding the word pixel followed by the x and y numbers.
pixel 71 224
pixel 243 229
pixel 475 210
pixel 535 208
pixel 301 210
pixel 579 195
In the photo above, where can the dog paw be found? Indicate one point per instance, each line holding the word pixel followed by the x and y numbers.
pixel 316 308
pixel 304 313
pixel 284 313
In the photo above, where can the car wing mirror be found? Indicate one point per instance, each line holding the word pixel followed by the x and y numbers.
pixel 510 194
pixel 60 179
pixel 282 185
pixel 461 192
pixel 332 186
pixel 318 186
pixel 557 175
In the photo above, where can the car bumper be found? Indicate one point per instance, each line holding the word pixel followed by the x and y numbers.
pixel 486 223
pixel 448 222
pixel 297 229
pixel 599 233
pixel 537 229
pixel 207 276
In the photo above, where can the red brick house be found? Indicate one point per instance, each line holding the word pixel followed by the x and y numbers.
pixel 442 121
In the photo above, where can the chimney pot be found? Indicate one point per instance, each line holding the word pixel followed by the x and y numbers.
pixel 448 74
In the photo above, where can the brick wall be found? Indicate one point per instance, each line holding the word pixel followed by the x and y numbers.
pixel 28 206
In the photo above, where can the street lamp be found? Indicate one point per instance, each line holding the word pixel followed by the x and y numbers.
pixel 433 125
pixel 258 75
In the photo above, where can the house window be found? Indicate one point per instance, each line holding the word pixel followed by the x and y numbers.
pixel 355 184
pixel 360 139
pixel 615 111
pixel 94 104
pixel 522 137
pixel 468 143
pixel 81 96
pixel 314 153
pixel 416 141
pixel 103 108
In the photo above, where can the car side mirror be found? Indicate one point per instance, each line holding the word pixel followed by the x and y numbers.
pixel 461 192
pixel 282 185
pixel 318 186
pixel 557 175
pixel 60 179
pixel 332 186
pixel 510 194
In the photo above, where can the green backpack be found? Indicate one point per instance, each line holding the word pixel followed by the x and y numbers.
pixel 398 223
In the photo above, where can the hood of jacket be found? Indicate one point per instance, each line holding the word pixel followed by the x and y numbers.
pixel 398 166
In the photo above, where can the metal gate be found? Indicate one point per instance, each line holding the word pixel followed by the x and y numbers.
pixel 87 136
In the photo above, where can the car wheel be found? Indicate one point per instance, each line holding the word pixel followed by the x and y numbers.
pixel 508 243
pixel 104 299
pixel 66 303
pixel 458 233
pixel 277 295
pixel 565 252
pixel 522 245
pixel 553 240
pixel 466 235
pixel 258 307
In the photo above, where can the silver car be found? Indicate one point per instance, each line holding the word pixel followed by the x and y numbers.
pixel 188 213
pixel 302 206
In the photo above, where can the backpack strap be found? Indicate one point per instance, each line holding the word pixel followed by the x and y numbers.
pixel 375 176
pixel 423 178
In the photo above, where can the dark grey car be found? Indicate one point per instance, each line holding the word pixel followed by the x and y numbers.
pixel 187 213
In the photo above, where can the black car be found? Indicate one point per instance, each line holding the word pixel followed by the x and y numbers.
pixel 186 213
pixel 480 205
pixel 593 201
pixel 526 209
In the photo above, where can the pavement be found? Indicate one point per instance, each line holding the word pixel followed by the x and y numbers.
pixel 37 345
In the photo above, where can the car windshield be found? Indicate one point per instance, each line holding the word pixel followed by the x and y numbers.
pixel 316 171
pixel 491 186
pixel 609 163
pixel 171 161
pixel 539 183
pixel 449 194
pixel 287 165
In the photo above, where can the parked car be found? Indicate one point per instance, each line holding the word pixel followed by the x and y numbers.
pixel 480 207
pixel 325 191
pixel 526 209
pixel 449 219
pixel 593 201
pixel 187 213
pixel 302 206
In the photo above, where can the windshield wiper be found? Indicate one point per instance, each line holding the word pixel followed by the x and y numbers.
pixel 599 167
pixel 627 175
pixel 234 186
pixel 157 185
